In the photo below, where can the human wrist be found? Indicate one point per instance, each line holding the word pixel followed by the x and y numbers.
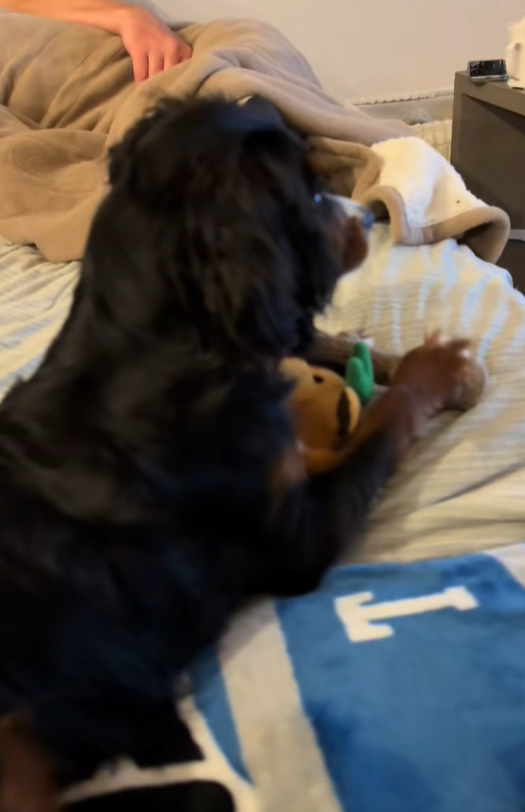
pixel 118 16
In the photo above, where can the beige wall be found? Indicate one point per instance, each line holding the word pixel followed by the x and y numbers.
pixel 363 48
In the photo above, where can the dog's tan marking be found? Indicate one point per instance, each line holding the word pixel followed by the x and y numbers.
pixel 26 769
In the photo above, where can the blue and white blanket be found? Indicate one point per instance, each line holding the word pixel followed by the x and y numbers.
pixel 393 687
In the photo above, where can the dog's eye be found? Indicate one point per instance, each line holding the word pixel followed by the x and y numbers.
pixel 318 198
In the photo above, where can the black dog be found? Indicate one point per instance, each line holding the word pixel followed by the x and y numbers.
pixel 149 477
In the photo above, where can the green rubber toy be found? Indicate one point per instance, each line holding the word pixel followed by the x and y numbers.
pixel 360 374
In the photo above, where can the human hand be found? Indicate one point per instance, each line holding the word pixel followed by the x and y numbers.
pixel 152 46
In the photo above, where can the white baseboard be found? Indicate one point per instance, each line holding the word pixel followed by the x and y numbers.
pixel 422 109
pixel 403 96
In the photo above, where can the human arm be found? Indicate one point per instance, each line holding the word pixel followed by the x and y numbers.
pixel 152 46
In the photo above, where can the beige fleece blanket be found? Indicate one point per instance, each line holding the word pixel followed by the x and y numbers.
pixel 67 95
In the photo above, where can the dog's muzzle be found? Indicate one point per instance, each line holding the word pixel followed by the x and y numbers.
pixel 366 218
pixel 353 209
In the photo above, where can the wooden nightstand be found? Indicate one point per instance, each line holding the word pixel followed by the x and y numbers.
pixel 488 149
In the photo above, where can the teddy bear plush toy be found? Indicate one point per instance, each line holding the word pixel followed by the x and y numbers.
pixel 326 407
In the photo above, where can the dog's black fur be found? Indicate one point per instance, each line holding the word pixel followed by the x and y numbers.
pixel 148 483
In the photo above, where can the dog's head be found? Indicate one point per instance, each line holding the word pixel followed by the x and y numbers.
pixel 216 212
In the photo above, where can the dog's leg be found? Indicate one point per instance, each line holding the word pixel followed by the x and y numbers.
pixel 334 351
pixel 326 513
pixel 26 768
pixel 316 521
pixel 85 732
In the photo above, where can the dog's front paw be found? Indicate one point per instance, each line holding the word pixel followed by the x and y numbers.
pixel 443 374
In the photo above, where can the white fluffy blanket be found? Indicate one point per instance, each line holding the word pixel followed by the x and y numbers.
pixel 421 190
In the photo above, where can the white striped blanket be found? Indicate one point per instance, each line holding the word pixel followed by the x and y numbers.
pixel 470 470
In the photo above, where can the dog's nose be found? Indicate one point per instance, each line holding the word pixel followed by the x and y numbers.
pixel 356 210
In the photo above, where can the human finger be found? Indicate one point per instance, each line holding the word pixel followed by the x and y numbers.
pixel 155 63
pixel 140 66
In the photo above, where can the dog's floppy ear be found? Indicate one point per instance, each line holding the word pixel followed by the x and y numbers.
pixel 234 258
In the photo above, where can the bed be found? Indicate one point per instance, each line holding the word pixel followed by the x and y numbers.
pixel 400 683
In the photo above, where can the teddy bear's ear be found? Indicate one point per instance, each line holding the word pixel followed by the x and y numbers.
pixel 294 368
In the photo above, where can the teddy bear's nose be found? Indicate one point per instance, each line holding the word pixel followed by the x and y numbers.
pixel 343 415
